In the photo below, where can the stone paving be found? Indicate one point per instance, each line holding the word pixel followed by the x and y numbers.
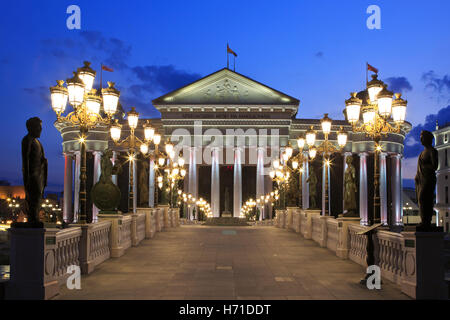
pixel 205 262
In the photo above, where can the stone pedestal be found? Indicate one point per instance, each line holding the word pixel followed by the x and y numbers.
pixel 32 260
pixel 290 217
pixel 164 210
pixel 296 221
pixel 306 223
pixel 423 256
pixel 120 236
pixel 343 246
pixel 149 227
pixel 324 232
pixel 91 252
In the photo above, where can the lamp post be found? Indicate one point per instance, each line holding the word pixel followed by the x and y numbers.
pixel 132 142
pixel 86 114
pixel 326 148
pixel 380 115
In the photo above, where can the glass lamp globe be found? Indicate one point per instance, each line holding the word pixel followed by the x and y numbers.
pixel 183 172
pixel 59 95
pixel 310 137
pixel 87 75
pixel 93 102
pixel 301 143
pixel 289 151
pixel 169 147
pixel 110 99
pixel 115 130
pixel 157 139
pixel 342 137
pixel 75 88
pixel 369 116
pixel 133 118
pixel 385 102
pixel 294 165
pixel 326 124
pixel 181 161
pixel 399 109
pixel 161 161
pixel 149 131
pixel 353 108
pixel 144 148
pixel 276 163
pixel 374 86
pixel 312 153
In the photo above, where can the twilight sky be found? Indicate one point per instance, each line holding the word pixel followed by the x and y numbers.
pixel 312 50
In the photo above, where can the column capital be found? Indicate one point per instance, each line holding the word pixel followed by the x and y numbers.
pixel 241 149
pixel 363 154
pixel 397 155
pixel 348 153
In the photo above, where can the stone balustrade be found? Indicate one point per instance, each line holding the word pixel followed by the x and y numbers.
pixel 50 254
pixel 65 253
pixel 358 244
pixel 390 255
pixel 396 254
pixel 333 231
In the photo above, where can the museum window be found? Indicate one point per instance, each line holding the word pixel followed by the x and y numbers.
pixel 445 138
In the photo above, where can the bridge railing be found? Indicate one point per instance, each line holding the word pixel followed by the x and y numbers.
pixel 396 254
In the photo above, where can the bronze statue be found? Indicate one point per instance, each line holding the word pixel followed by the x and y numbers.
pixel 425 179
pixel 350 190
pixel 143 184
pixel 105 194
pixel 312 180
pixel 34 169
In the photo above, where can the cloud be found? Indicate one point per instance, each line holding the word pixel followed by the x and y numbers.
pixel 399 84
pixel 40 92
pixel 319 54
pixel 409 168
pixel 412 140
pixel 90 44
pixel 162 78
pixel 435 83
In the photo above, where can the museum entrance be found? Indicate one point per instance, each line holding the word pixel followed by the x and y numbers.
pixel 226 191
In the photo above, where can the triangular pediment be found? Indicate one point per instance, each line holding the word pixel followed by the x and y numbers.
pixel 225 87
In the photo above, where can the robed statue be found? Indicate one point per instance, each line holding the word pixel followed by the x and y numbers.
pixel 143 184
pixel 350 190
pixel 105 194
pixel 312 180
pixel 34 169
pixel 425 179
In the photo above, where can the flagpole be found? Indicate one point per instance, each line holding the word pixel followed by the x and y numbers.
pixel 234 63
pixel 367 73
pixel 228 63
pixel 101 76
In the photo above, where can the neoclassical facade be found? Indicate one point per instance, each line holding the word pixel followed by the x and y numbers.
pixel 229 128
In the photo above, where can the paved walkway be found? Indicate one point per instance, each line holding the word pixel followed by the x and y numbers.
pixel 199 262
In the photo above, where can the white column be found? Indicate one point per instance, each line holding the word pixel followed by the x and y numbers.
pixel 346 155
pixel 237 183
pixel 325 172
pixel 383 189
pixel 114 159
pixel 68 180
pixel 396 189
pixel 97 169
pixel 363 206
pixel 151 184
pixel 76 196
pixel 305 185
pixel 215 183
pixel 192 177
pixel 260 179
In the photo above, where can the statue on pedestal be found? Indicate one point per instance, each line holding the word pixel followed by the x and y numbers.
pixel 105 194
pixel 350 190
pixel 425 179
pixel 312 180
pixel 34 169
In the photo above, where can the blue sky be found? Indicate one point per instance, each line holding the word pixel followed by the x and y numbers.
pixel 313 50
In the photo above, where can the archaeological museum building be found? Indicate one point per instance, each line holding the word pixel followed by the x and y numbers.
pixel 229 128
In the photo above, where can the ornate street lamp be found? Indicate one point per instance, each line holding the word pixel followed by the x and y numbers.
pixel 132 142
pixel 326 148
pixel 86 114
pixel 380 115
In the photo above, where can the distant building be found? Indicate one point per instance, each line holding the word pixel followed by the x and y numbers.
pixel 442 207
pixel 17 192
